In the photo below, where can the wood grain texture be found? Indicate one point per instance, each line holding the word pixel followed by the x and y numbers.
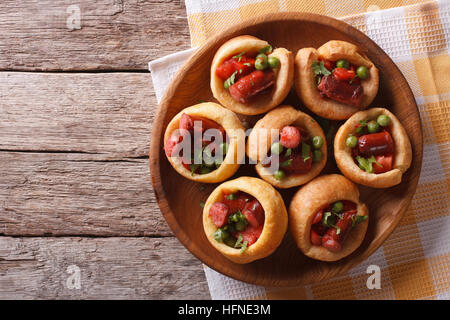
pixel 287 266
pixel 107 113
pixel 110 268
pixel 77 194
pixel 73 153
pixel 114 34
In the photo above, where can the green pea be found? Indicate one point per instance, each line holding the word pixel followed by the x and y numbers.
pixel 220 235
pixel 383 120
pixel 205 170
pixel 223 147
pixel 317 142
pixel 351 141
pixel 218 162
pixel 279 175
pixel 230 241
pixel 317 155
pixel 231 196
pixel 230 228
pixel 362 72
pixel 233 218
pixel 276 148
pixel 240 225
pixel 261 62
pixel 373 126
pixel 274 62
pixel 337 207
pixel 342 64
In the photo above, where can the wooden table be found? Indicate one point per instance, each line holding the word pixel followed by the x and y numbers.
pixel 77 108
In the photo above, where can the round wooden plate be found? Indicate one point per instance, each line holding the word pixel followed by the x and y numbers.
pixel 179 198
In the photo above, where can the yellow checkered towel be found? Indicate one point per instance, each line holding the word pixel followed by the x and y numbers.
pixel 414 260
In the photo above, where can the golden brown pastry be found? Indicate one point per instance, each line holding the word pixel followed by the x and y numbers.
pixel 292 138
pixel 207 161
pixel 335 80
pixel 327 219
pixel 250 78
pixel 373 149
pixel 245 219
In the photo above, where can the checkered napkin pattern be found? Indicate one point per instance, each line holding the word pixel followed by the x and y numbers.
pixel 415 260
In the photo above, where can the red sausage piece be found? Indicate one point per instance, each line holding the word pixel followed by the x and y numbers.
pixel 380 143
pixel 290 137
pixel 385 162
pixel 251 84
pixel 298 164
pixel 219 213
pixel 171 143
pixel 331 244
pixel 342 91
pixel 318 217
pixel 243 66
pixel 238 203
pixel 254 213
pixel 186 122
pixel 250 234
pixel 315 238
pixel 207 124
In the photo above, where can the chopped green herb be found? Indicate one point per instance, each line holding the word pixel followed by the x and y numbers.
pixel 238 241
pixel 367 164
pixel 266 49
pixel 248 64
pixel 230 81
pixel 231 196
pixel 202 204
pixel 286 163
pixel 194 168
pixel 244 246
pixel 239 56
pixel 319 69
pixel 358 219
pixel 338 230
pixel 220 235
pixel 306 151
pixel 202 188
pixel 288 152
pixel 329 220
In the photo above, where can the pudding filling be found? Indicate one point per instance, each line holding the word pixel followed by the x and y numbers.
pixel 332 224
pixel 372 145
pixel 248 74
pixel 211 153
pixel 295 151
pixel 340 80
pixel 239 218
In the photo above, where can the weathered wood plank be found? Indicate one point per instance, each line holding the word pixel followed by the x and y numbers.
pixel 110 268
pixel 76 194
pixel 114 34
pixel 108 113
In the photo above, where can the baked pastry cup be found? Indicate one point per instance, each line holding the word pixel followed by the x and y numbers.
pixel 274 226
pixel 401 153
pixel 234 131
pixel 268 98
pixel 261 139
pixel 314 197
pixel 305 80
